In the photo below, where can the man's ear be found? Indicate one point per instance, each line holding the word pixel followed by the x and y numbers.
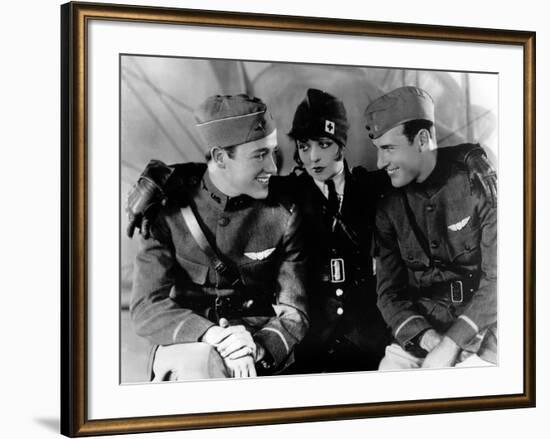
pixel 218 156
pixel 422 140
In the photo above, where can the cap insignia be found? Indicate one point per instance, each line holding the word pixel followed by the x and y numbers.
pixel 329 126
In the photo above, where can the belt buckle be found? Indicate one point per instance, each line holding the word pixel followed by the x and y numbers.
pixel 219 305
pixel 337 272
pixel 457 291
pixel 225 306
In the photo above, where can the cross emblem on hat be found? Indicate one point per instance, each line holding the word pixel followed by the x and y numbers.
pixel 329 126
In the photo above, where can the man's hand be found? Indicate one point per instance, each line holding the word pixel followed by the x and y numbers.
pixel 481 173
pixel 231 341
pixel 238 343
pixel 214 335
pixel 442 355
pixel 429 340
pixel 242 367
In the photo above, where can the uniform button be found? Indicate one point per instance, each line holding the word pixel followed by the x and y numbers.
pixel 467 247
pixel 434 244
pixel 339 292
pixel 430 208
pixel 223 221
pixel 340 311
pixel 470 275
pixel 471 290
pixel 410 257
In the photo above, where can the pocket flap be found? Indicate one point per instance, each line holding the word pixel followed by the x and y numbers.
pixel 414 257
pixel 197 273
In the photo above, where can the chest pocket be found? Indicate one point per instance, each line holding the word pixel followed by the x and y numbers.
pixel 463 245
pixel 259 272
pixel 413 255
pixel 197 273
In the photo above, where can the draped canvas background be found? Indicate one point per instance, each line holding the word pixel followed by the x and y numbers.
pixel 158 95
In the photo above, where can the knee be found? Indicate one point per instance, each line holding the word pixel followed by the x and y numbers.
pixel 397 358
pixel 188 361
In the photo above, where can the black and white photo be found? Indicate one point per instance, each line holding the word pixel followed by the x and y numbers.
pixel 281 218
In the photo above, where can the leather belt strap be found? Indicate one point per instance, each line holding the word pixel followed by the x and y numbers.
pixel 415 228
pixel 190 218
pixel 456 291
pixel 233 306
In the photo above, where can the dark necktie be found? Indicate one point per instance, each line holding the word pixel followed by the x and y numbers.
pixel 333 202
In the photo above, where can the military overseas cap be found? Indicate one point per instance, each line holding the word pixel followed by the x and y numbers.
pixel 232 120
pixel 320 115
pixel 396 107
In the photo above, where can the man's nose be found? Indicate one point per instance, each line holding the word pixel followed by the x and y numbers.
pixel 381 161
pixel 271 164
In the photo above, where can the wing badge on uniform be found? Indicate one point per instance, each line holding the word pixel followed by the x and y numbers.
pixel 459 225
pixel 260 256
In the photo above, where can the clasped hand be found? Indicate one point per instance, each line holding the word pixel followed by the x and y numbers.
pixel 235 345
pixel 442 351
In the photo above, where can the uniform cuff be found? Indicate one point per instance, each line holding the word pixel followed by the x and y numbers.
pixel 274 342
pixel 191 329
pixel 410 328
pixel 463 331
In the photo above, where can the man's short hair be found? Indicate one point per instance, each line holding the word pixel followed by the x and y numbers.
pixel 229 149
pixel 412 127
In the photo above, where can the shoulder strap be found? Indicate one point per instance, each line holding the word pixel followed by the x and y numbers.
pixel 414 225
pixel 336 216
pixel 189 216
pixel 348 231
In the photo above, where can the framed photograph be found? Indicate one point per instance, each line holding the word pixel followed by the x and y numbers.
pixel 142 89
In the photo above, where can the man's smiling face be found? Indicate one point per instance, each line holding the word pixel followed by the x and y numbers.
pixel 249 169
pixel 399 158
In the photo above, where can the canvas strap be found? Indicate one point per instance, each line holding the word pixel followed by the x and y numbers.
pixel 420 237
pixel 221 267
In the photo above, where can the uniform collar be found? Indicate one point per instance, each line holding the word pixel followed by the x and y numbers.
pixel 339 183
pixel 221 200
pixel 436 179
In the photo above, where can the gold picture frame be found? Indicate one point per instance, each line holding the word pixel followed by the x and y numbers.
pixel 75 19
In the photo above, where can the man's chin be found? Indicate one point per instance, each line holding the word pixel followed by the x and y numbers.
pixel 259 194
pixel 397 182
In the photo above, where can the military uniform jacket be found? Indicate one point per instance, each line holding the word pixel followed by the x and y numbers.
pixel 172 276
pixel 347 309
pixel 460 226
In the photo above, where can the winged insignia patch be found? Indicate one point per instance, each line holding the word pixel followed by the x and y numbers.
pixel 260 256
pixel 459 225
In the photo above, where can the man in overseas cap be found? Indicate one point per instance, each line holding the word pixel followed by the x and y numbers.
pixel 219 288
pixel 436 243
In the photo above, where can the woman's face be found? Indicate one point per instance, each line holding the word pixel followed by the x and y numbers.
pixel 321 157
